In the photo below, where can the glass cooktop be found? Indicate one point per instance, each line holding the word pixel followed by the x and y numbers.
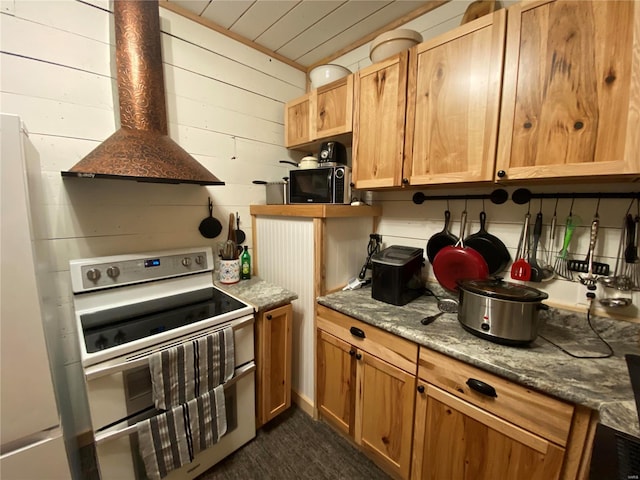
pixel 116 326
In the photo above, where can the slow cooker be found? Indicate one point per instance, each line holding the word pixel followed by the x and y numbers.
pixel 499 311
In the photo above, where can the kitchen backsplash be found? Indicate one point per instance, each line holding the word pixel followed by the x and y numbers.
pixel 406 223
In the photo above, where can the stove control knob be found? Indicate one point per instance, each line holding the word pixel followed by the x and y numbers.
pixel 199 259
pixel 101 342
pixel 113 272
pixel 93 274
pixel 186 261
pixel 119 338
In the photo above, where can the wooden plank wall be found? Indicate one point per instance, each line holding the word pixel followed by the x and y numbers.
pixel 224 106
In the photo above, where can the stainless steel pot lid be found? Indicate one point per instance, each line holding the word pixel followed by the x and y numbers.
pixel 497 288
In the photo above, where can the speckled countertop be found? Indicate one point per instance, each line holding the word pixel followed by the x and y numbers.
pixel 601 384
pixel 259 294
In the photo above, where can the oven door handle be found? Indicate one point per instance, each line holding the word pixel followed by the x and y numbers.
pixel 106 436
pixel 97 372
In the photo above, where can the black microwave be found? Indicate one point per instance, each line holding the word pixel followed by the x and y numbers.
pixel 331 184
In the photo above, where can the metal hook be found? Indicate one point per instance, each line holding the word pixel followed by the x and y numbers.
pixel 540 204
pixel 555 208
pixel 571 207
pixel 597 208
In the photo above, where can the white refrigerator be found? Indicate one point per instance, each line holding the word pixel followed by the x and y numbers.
pixel 32 446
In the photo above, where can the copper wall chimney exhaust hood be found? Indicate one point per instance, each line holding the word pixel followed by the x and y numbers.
pixel 141 149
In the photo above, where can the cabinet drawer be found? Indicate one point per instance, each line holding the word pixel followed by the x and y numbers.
pixel 384 345
pixel 548 417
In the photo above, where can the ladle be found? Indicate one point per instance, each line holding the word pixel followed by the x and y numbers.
pixel 445 305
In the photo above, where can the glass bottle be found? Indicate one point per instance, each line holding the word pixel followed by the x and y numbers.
pixel 245 264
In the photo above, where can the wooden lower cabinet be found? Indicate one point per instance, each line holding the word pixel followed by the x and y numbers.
pixel 463 423
pixel 273 345
pixel 363 395
pixel 455 439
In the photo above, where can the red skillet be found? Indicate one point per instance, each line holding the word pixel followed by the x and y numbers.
pixel 457 262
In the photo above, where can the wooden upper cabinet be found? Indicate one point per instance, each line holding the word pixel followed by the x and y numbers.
pixel 453 102
pixel 571 91
pixel 297 122
pixel 323 113
pixel 333 108
pixel 379 119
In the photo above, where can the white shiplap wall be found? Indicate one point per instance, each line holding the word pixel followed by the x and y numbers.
pixel 224 106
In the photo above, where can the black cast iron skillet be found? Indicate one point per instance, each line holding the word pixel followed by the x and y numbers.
pixel 210 227
pixel 441 239
pixel 489 246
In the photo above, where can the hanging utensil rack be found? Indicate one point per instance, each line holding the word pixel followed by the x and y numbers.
pixel 498 197
pixel 524 195
pixel 521 196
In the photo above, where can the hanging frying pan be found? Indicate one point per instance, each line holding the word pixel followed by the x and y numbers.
pixel 240 235
pixel 210 227
pixel 441 239
pixel 457 262
pixel 489 246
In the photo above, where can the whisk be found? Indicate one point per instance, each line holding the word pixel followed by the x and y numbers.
pixel 561 266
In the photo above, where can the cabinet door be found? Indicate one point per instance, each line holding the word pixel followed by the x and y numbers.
pixel 378 129
pixel 333 108
pixel 454 439
pixel 453 102
pixel 275 357
pixel 384 412
pixel 335 379
pixel 571 91
pixel 297 121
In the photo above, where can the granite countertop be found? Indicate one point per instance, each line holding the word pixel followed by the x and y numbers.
pixel 601 384
pixel 261 295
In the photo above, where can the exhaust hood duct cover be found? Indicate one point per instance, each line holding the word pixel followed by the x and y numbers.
pixel 141 149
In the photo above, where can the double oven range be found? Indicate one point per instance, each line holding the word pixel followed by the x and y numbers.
pixel 128 307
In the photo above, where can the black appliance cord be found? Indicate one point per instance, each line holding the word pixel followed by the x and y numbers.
pixel 372 248
pixel 610 354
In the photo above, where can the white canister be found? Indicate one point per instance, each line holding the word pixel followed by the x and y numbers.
pixel 308 162
pixel 230 271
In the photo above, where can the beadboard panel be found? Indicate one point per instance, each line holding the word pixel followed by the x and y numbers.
pixel 285 257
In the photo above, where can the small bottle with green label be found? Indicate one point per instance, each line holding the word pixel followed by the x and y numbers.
pixel 245 264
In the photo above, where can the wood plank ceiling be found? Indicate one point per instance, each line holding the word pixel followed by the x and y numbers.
pixel 303 33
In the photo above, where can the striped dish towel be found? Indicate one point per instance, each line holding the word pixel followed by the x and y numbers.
pixel 181 373
pixel 173 438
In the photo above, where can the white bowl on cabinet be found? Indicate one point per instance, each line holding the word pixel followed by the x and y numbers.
pixel 323 74
pixel 389 43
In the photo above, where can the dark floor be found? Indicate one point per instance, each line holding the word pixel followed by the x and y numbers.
pixel 294 446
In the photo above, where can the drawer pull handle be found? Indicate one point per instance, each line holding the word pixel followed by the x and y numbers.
pixel 352 352
pixel 420 388
pixel 481 387
pixel 356 332
pixel 358 356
